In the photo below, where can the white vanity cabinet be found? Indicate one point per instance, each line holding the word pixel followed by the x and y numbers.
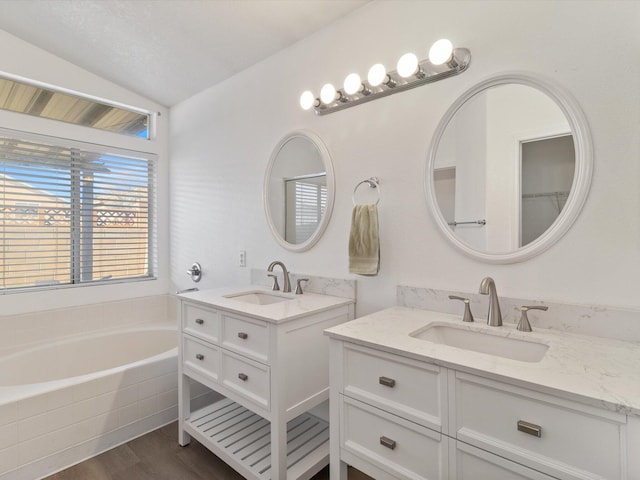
pixel 388 414
pixel 270 371
pixel 398 417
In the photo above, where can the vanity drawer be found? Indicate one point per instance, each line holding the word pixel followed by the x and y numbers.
pixel 247 378
pixel 201 358
pixel 576 441
pixel 246 336
pixel 470 463
pixel 397 446
pixel 402 386
pixel 201 322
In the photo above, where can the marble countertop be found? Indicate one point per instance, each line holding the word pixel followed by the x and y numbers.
pixel 593 370
pixel 294 307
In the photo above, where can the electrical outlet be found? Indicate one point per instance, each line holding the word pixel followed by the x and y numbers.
pixel 242 258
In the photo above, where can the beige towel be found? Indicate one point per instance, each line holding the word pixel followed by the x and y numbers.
pixel 364 242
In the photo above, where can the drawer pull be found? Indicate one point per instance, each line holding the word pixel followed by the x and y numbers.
pixel 387 382
pixel 387 442
pixel 530 428
pixel 199 321
pixel 199 356
pixel 243 335
pixel 243 376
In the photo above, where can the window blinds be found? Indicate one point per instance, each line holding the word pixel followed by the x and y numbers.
pixel 306 203
pixel 74 214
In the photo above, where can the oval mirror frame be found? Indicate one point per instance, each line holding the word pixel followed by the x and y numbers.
pixel 581 179
pixel 328 165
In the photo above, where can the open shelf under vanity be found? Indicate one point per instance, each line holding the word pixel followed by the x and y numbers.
pixel 241 438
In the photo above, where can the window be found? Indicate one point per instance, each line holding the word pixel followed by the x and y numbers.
pixel 40 101
pixel 73 213
pixel 306 203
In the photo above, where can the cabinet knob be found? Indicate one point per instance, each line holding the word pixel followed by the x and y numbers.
pixel 243 376
pixel 199 321
pixel 387 382
pixel 387 442
pixel 199 356
pixel 529 428
pixel 243 335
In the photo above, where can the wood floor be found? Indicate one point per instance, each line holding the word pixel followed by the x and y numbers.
pixel 157 456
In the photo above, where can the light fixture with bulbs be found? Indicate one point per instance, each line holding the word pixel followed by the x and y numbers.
pixel 443 61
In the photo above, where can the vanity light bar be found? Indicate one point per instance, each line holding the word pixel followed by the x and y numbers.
pixel 444 61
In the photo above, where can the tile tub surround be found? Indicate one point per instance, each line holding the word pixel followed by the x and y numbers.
pixel 596 320
pixel 46 427
pixel 42 434
pixel 22 330
pixel 597 371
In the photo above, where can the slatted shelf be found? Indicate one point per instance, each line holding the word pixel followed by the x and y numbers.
pixel 241 437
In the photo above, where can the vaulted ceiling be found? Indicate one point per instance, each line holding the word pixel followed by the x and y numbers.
pixel 168 50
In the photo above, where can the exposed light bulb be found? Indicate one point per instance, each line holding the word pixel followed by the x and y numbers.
pixel 441 51
pixel 352 84
pixel 407 65
pixel 328 94
pixel 376 75
pixel 307 99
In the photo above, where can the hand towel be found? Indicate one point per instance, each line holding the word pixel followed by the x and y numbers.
pixel 364 241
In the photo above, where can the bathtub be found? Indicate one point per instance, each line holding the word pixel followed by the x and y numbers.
pixel 70 399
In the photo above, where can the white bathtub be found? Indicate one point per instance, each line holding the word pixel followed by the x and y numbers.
pixel 73 398
pixel 86 355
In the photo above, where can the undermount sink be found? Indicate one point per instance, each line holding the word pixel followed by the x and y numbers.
pixel 258 298
pixel 482 342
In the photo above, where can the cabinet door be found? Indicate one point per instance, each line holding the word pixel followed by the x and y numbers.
pixel 391 444
pixel 200 358
pixel 200 321
pixel 246 378
pixel 246 336
pixel 470 463
pixel 402 386
pixel 562 438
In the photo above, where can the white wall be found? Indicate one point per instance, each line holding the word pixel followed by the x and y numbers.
pixel 20 58
pixel 221 141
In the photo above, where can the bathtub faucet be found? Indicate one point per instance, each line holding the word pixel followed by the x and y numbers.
pixel 287 283
pixel 186 290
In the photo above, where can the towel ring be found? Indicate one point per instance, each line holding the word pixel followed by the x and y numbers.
pixel 373 182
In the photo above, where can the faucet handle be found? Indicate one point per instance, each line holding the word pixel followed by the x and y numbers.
pixel 523 324
pixel 299 285
pixel 467 316
pixel 275 286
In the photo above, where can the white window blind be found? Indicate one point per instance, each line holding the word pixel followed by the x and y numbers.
pixel 309 203
pixel 73 214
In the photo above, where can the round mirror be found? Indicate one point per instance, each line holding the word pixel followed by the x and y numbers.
pixel 509 168
pixel 298 190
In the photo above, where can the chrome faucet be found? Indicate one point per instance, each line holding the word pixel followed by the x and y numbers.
pixel 488 287
pixel 287 283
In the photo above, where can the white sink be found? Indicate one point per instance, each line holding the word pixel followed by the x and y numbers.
pixel 484 342
pixel 258 298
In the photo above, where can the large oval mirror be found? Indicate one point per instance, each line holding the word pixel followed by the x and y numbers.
pixel 509 168
pixel 299 190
